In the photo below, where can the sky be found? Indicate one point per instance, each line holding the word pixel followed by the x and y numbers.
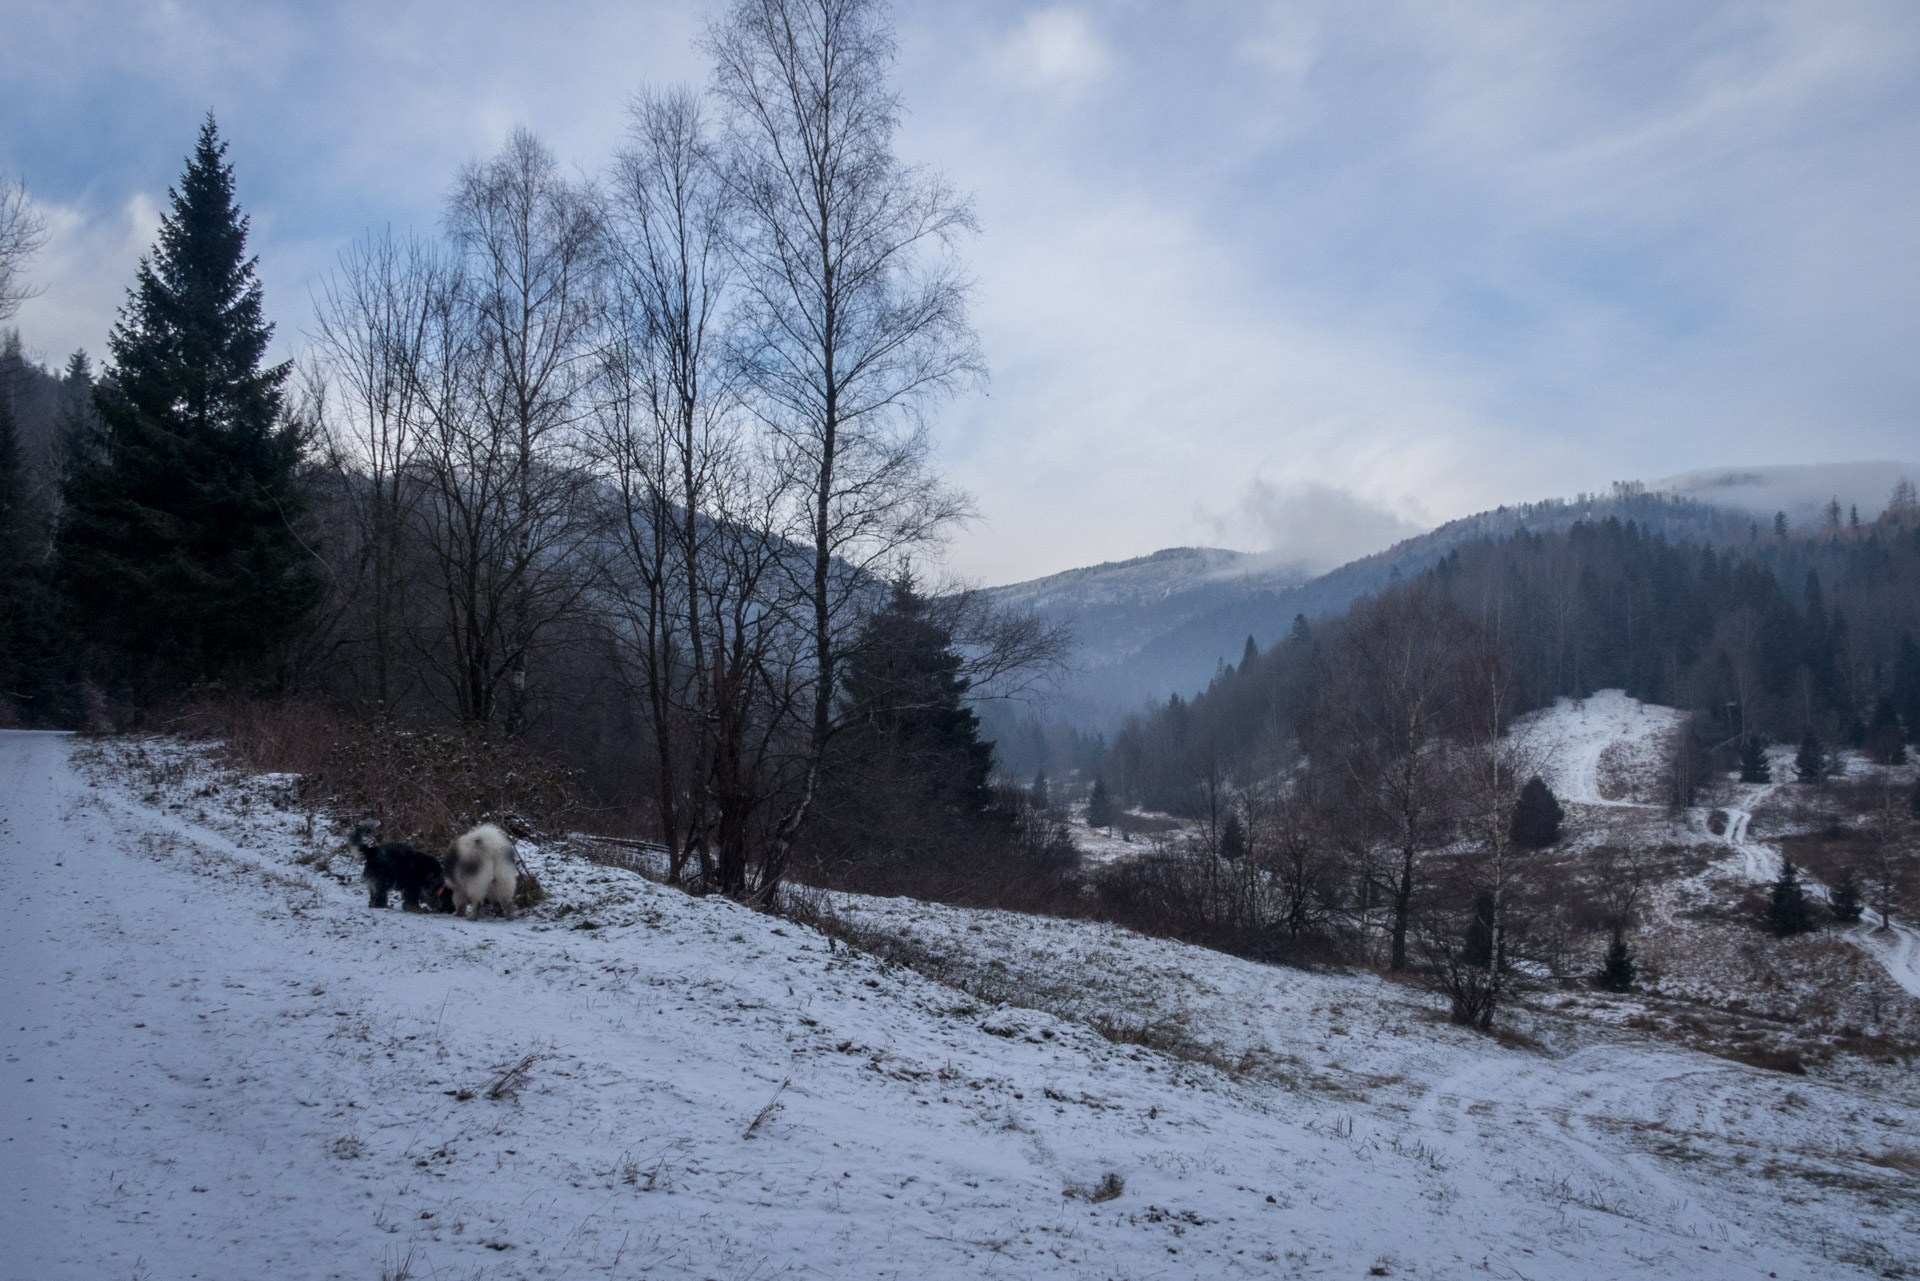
pixel 1298 278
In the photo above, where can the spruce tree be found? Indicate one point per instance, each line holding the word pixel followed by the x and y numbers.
pixel 1811 764
pixel 1787 908
pixel 1616 974
pixel 1753 763
pixel 1883 740
pixel 1233 837
pixel 1041 799
pixel 908 704
pixel 1846 903
pixel 1247 655
pixel 1099 805
pixel 177 555
pixel 1536 816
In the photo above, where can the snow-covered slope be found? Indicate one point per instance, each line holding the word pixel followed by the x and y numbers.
pixel 1609 749
pixel 221 1063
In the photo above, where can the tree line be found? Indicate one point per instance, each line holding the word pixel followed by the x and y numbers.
pixel 634 466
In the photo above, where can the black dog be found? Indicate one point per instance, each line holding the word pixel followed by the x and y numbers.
pixel 402 867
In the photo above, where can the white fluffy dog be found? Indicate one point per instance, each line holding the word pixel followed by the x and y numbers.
pixel 479 868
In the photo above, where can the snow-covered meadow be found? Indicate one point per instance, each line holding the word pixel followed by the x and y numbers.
pixel 223 1064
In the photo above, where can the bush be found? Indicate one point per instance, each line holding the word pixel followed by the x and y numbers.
pixel 424 785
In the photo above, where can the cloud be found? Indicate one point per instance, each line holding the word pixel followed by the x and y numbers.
pixel 1057 49
pixel 1433 255
pixel 1309 524
pixel 90 257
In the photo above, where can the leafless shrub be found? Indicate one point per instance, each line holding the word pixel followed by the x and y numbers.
pixel 508 1082
pixel 427 784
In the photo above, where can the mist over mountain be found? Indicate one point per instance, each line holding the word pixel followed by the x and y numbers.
pixel 1167 623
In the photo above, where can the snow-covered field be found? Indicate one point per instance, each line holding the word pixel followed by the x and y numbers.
pixel 222 1064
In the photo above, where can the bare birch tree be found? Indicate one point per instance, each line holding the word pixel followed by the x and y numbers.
pixel 1389 700
pixel 374 317
pixel 671 445
pixel 856 317
pixel 22 233
pixel 511 358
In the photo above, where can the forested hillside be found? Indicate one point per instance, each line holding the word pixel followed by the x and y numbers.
pixel 1769 637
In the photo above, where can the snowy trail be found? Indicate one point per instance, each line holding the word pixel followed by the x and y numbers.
pixel 1758 861
pixel 1897 947
pixel 224 1065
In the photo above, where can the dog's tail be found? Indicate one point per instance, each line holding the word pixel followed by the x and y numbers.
pixel 361 836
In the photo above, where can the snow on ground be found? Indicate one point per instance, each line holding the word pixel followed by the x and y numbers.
pixel 1599 750
pixel 1100 845
pixel 226 1065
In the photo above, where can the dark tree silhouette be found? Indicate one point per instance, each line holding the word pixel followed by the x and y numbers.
pixel 1099 805
pixel 1616 974
pixel 1787 908
pixel 1753 762
pixel 1846 903
pixel 1537 815
pixel 1233 837
pixel 177 551
pixel 1812 764
pixel 1883 740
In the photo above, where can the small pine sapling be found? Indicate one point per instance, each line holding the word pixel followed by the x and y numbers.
pixel 1616 974
pixel 1846 903
pixel 1787 908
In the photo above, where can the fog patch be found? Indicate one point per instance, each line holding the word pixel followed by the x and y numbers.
pixel 1309 524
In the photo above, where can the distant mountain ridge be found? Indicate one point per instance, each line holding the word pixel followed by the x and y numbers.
pixel 1165 623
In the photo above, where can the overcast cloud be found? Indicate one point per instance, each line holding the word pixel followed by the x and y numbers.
pixel 1303 276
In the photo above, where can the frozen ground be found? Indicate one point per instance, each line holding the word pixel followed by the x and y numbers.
pixel 223 1064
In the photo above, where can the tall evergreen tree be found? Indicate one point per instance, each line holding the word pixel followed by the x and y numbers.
pixel 177 554
pixel 1753 763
